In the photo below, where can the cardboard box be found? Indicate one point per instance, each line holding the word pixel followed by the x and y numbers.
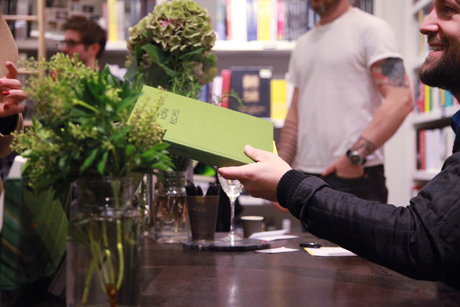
pixel 205 132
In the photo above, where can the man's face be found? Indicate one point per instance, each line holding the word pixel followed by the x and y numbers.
pixel 323 6
pixel 442 65
pixel 73 44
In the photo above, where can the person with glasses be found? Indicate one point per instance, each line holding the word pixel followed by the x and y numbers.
pixel 85 38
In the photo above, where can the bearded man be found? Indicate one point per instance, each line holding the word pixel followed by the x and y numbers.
pixel 421 240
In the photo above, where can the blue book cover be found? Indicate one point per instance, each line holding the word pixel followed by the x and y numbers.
pixel 221 20
pixel 252 19
pixel 449 99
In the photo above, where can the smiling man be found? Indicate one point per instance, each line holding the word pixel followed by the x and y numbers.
pixel 421 240
pixel 85 38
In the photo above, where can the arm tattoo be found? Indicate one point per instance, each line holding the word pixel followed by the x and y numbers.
pixel 393 72
pixel 364 146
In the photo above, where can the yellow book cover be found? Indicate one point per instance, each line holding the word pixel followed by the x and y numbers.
pixel 205 132
pixel 427 98
pixel 278 99
pixel 263 20
pixel 443 97
pixel 112 20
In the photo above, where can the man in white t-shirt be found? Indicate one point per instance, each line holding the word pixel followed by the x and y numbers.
pixel 351 95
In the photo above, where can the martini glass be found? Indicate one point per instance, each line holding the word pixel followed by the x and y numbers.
pixel 233 189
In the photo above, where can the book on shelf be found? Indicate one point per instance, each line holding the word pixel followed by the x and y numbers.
pixel 280 19
pixel 252 84
pixel 434 146
pixel 239 31
pixel 226 75
pixel 429 99
pixel 263 20
pixel 221 19
pixel 228 19
pixel 278 105
pixel 251 11
pixel 216 89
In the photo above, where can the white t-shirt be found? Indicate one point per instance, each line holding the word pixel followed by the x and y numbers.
pixel 338 98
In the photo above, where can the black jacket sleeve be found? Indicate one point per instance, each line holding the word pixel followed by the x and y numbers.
pixel 421 240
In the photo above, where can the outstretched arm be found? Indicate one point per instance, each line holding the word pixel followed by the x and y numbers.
pixel 260 179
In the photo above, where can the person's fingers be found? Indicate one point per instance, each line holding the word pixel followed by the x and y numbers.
pixel 231 172
pixel 12 71
pixel 16 95
pixel 8 110
pixel 257 155
pixel 6 84
pixel 328 171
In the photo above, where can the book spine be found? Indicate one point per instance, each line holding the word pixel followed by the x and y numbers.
pixel 112 20
pixel 427 106
pixel 226 75
pixel 239 27
pixel 251 12
pixel 221 19
pixel 280 20
pixel 229 19
pixel 263 20
pixel 274 20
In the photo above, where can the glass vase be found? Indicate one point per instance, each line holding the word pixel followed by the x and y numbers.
pixel 170 221
pixel 104 245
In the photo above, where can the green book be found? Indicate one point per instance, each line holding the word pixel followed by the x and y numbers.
pixel 205 132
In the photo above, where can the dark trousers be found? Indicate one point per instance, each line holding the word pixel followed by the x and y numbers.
pixel 370 186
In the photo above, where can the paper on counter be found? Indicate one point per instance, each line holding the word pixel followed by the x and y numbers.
pixel 277 250
pixel 329 252
pixel 272 235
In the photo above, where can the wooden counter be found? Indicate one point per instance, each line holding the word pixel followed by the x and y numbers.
pixel 174 276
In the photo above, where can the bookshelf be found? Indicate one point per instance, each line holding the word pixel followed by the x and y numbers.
pixel 437 118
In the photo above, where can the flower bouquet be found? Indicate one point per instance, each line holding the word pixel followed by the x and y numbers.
pixel 81 133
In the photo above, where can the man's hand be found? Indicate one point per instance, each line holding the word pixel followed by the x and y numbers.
pixel 344 169
pixel 11 93
pixel 260 179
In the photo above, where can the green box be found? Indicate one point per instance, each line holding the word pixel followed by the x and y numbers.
pixel 205 132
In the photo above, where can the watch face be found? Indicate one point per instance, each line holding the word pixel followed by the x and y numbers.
pixel 355 158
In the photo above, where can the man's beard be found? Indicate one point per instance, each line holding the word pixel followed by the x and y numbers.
pixel 326 7
pixel 445 73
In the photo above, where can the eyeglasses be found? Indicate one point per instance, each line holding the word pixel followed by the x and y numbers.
pixel 71 43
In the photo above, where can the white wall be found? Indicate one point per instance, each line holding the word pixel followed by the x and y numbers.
pixel 400 149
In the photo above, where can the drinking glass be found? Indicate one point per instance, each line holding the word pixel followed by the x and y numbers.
pixel 233 189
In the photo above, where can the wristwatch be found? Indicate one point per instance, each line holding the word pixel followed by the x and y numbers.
pixel 355 157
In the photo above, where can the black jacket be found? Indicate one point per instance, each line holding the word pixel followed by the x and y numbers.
pixel 421 241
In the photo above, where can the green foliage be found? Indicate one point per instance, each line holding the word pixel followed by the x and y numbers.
pixel 171 48
pixel 81 127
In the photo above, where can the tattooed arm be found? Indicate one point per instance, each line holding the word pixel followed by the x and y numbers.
pixel 287 147
pixel 390 78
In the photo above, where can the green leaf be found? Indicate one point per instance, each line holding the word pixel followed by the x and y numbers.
pixel 128 101
pixel 102 163
pixel 159 57
pixel 133 70
pixel 186 56
pixel 90 160
pixel 130 149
